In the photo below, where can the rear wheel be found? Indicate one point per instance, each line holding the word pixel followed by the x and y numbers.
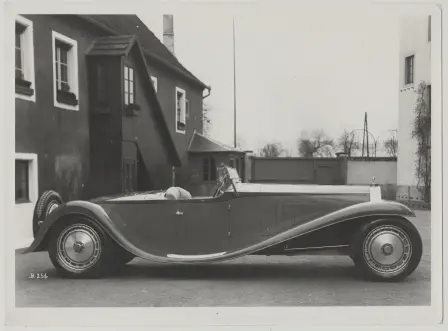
pixel 387 250
pixel 81 249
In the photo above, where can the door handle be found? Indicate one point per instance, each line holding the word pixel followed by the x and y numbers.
pixel 179 213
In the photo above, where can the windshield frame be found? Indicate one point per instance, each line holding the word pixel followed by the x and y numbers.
pixel 231 174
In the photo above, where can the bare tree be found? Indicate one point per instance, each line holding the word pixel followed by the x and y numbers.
pixel 206 122
pixel 391 146
pixel 313 145
pixel 271 150
pixel 347 143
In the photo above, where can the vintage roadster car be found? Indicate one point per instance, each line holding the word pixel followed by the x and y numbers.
pixel 93 238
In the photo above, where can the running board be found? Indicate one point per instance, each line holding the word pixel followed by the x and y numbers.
pixel 321 250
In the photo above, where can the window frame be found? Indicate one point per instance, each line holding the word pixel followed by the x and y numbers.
pixel 211 175
pixel 407 69
pixel 27 54
pixel 73 69
pixel 32 177
pixel 183 110
pixel 127 82
pixel 26 198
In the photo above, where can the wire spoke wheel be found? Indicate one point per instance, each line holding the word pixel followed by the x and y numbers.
pixel 78 247
pixel 387 249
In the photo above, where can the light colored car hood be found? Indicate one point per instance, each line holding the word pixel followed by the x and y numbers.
pixel 302 188
pixel 260 188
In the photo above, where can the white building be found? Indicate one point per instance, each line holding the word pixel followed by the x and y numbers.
pixel 415 67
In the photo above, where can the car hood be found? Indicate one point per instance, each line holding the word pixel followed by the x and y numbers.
pixel 302 188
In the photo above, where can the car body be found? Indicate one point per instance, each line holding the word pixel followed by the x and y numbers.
pixel 240 219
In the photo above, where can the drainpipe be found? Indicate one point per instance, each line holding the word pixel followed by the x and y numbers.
pixel 174 176
pixel 209 88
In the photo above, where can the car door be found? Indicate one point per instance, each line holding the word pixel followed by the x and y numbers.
pixel 253 219
pixel 203 226
pixel 149 225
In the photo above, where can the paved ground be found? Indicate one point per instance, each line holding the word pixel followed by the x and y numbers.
pixel 249 281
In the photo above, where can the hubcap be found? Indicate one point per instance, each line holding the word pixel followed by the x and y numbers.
pixel 79 247
pixel 387 249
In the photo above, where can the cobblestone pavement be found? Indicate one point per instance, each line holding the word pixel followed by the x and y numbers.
pixel 249 281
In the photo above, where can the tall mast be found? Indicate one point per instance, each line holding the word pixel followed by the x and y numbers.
pixel 234 87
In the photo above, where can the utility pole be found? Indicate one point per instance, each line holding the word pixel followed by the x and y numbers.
pixel 367 133
pixel 234 87
pixel 365 136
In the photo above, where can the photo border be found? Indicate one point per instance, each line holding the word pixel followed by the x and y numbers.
pixel 262 317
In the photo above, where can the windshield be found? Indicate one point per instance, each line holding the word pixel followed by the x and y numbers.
pixel 228 178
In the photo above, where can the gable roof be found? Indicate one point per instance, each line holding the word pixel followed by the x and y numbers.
pixel 202 144
pixel 122 45
pixel 152 47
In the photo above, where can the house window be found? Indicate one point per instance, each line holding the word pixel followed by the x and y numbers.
pixel 24 59
pixel 181 106
pixel 154 82
pixel 22 181
pixel 209 168
pixel 187 109
pixel 20 29
pixel 62 66
pixel 237 164
pixel 65 73
pixel 409 70
pixel 129 86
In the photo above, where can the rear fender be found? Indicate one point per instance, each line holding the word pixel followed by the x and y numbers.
pixel 372 210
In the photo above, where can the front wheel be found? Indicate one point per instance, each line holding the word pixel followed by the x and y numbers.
pixel 387 250
pixel 78 248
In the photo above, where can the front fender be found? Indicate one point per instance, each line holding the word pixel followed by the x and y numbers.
pixel 84 208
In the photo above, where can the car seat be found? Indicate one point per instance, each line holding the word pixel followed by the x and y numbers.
pixel 177 193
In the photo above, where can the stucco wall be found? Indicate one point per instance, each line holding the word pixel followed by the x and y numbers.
pixel 413 41
pixel 59 137
pixel 361 172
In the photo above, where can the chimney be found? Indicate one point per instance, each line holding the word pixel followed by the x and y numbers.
pixel 168 32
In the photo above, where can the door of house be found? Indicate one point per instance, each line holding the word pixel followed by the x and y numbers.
pixel 129 177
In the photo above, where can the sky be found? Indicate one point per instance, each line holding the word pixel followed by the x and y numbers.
pixel 298 67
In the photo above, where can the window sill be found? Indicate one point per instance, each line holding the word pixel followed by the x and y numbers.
pixel 181 127
pixel 132 109
pixel 23 87
pixel 407 87
pixel 22 201
pixel 66 98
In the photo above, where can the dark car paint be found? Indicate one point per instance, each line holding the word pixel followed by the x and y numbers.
pixel 230 224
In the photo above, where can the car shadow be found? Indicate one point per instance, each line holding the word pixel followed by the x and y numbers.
pixel 239 271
